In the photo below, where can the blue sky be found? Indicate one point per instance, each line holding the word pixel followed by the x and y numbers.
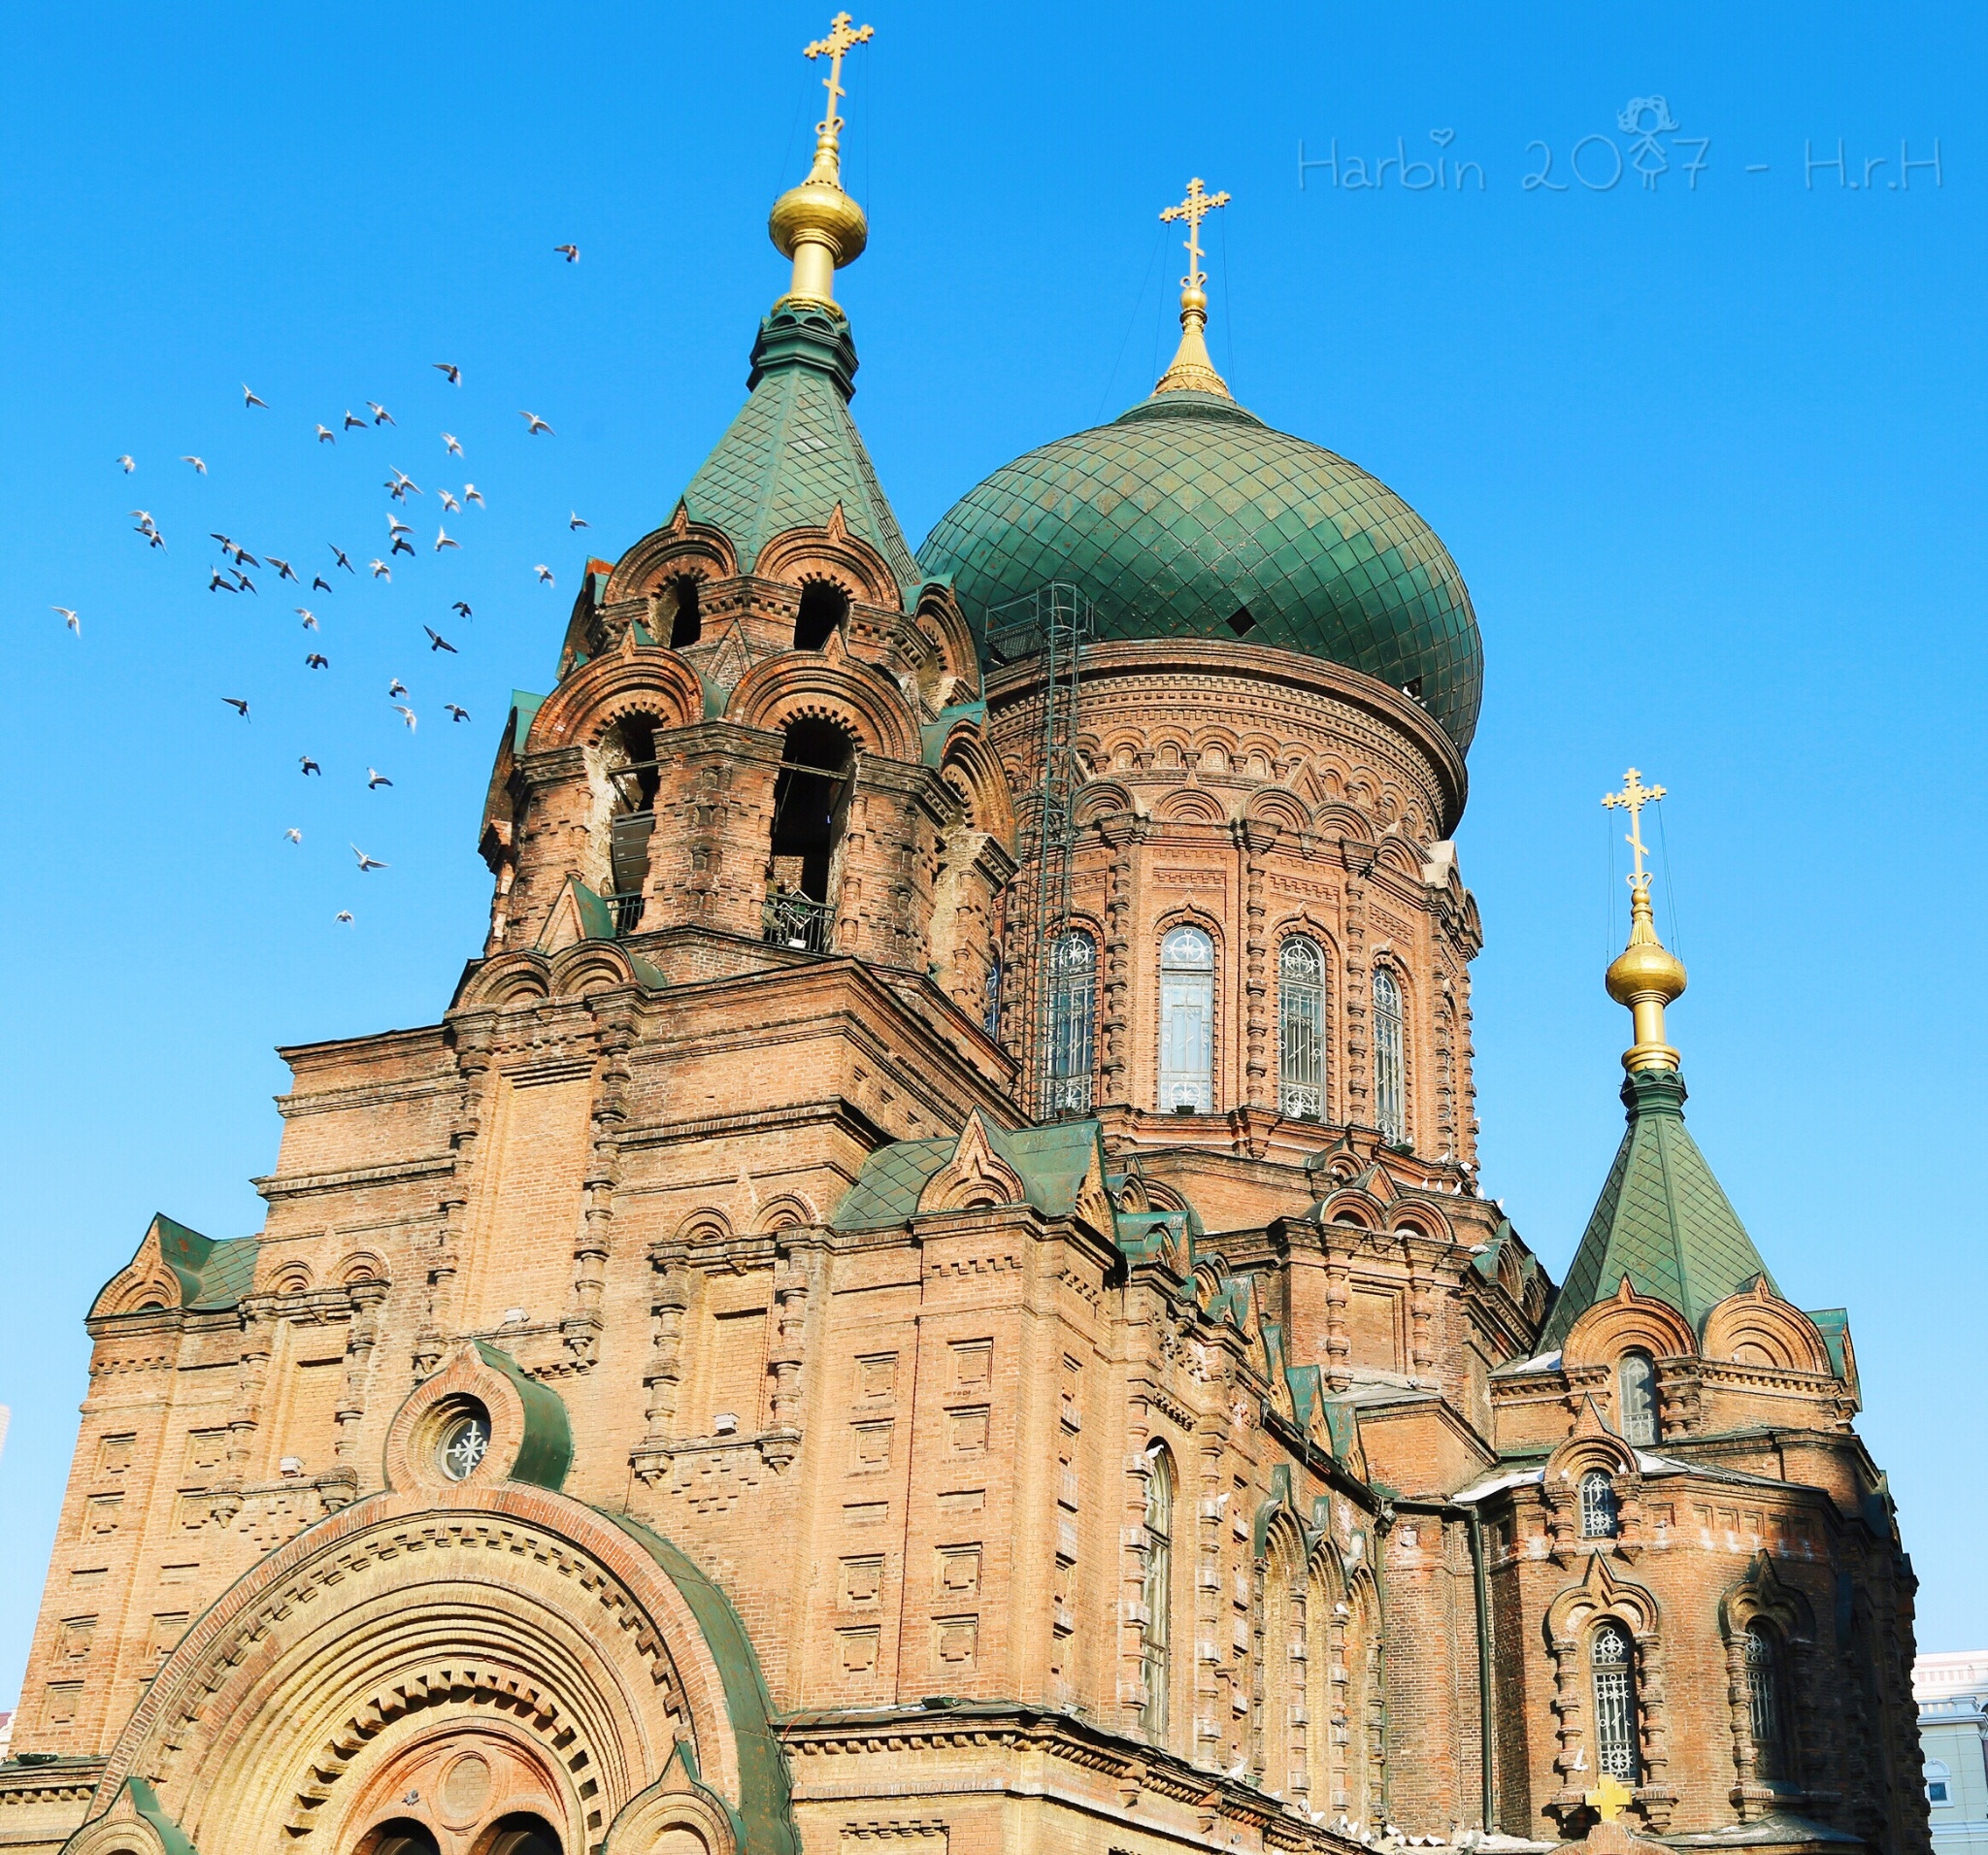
pixel 1709 455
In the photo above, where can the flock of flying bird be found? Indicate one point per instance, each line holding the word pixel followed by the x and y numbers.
pixel 231 577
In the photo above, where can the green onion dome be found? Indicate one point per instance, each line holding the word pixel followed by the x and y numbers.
pixel 1189 518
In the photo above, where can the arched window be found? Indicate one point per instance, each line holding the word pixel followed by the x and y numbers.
pixel 520 1832
pixel 1073 1022
pixel 1937 1777
pixel 1301 1029
pixel 1388 1111
pixel 630 754
pixel 1282 1771
pixel 1613 1660
pixel 1766 1714
pixel 1187 1022
pixel 1155 1648
pixel 992 1010
pixel 403 1836
pixel 686 616
pixel 809 807
pixel 823 607
pixel 1598 1519
pixel 1637 1378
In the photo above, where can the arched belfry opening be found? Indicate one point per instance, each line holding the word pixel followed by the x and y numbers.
pixel 403 1836
pixel 522 1833
pixel 682 605
pixel 630 754
pixel 809 812
pixel 823 607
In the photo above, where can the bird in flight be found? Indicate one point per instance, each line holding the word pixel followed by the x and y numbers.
pixel 399 484
pixel 197 463
pixel 240 707
pixel 319 581
pixel 395 687
pixel 381 571
pixel 234 549
pixel 395 526
pixel 338 554
pixel 293 835
pixel 216 584
pixel 462 605
pixel 153 536
pixel 407 716
pixel 437 641
pixel 575 519
pixel 127 464
pixel 249 399
pixel 69 619
pixel 453 443
pixel 317 660
pixel 373 780
pixel 326 436
pixel 344 915
pixel 282 569
pixel 380 416
pixel 545 574
pixel 570 252
pixel 400 545
pixel 352 418
pixel 456 712
pixel 242 583
pixel 471 494
pixel 309 765
pixel 450 368
pixel 366 862
pixel 443 541
pixel 308 618
pixel 448 502
pixel 534 423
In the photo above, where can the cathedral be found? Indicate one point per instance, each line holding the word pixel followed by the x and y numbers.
pixel 928 1293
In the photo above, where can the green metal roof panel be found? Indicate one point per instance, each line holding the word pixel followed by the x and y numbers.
pixel 1662 1220
pixel 793 454
pixel 1187 509
pixel 546 1452
pixel 1052 1163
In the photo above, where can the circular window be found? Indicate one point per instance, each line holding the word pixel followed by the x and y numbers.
pixel 463 1442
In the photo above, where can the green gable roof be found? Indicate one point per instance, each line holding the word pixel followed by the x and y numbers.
pixel 1662 1220
pixel 210 1273
pixel 793 453
pixel 1051 1162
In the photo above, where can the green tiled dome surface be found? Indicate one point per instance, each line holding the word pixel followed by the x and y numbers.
pixel 1187 508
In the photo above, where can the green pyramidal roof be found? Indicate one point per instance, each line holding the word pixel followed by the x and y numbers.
pixel 793 452
pixel 1662 1220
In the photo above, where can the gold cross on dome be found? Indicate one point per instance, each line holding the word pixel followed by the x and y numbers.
pixel 1608 1797
pixel 1195 207
pixel 840 37
pixel 1633 797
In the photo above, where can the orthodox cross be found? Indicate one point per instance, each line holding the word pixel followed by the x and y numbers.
pixel 1633 797
pixel 840 37
pixel 1195 207
pixel 1608 1797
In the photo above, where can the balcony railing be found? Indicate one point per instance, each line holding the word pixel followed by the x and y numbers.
pixel 798 921
pixel 627 912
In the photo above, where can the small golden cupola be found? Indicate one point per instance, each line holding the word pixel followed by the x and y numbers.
pixel 818 224
pixel 1645 975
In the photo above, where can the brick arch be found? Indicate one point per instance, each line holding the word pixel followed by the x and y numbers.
pixel 1399 854
pixel 1191 805
pixel 680 545
pixel 507 979
pixel 861 701
pixel 592 966
pixel 1104 799
pixel 1628 1322
pixel 1758 1321
pixel 968 762
pixel 1279 807
pixel 590 1637
pixel 834 554
pixel 939 609
pixel 650 681
pixel 1336 819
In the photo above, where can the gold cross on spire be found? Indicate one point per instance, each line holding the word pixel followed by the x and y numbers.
pixel 840 37
pixel 1192 372
pixel 1633 797
pixel 1195 207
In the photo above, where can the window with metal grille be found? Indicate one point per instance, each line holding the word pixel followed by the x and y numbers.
pixel 1073 1022
pixel 1765 1712
pixel 1157 1640
pixel 1637 1378
pixel 1597 1519
pixel 1389 1113
pixel 1613 1661
pixel 1301 1029
pixel 1187 1022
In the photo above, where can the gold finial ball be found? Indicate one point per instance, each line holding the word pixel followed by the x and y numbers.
pixel 1640 971
pixel 1193 297
pixel 818 211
